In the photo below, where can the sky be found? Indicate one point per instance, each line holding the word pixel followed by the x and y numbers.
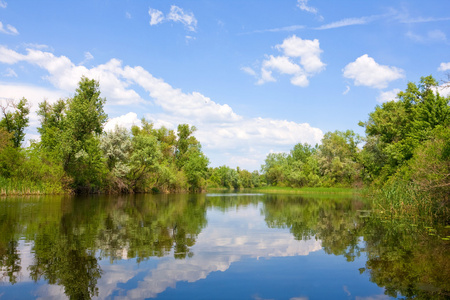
pixel 254 77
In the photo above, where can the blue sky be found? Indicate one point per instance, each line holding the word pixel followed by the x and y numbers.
pixel 254 77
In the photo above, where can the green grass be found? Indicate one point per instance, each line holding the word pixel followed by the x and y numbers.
pixel 308 190
pixel 10 187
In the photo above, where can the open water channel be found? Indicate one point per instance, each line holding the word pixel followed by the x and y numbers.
pixel 215 246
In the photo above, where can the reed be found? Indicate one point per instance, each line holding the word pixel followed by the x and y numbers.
pixel 10 187
pixel 403 199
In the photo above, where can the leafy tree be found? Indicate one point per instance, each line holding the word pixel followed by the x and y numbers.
pixel 144 159
pixel 185 141
pixel 15 120
pixel 70 131
pixel 195 168
pixel 275 168
pixel 116 147
pixel 338 157
pixel 395 129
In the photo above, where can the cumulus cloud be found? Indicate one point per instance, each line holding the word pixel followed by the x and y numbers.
pixel 444 66
pixel 127 121
pixel 176 14
pixel 388 96
pixel 3 4
pixel 8 29
pixel 307 50
pixel 366 71
pixel 300 60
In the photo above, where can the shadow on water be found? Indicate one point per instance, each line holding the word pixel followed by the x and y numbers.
pixel 68 237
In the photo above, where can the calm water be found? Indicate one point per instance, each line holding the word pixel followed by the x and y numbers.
pixel 215 246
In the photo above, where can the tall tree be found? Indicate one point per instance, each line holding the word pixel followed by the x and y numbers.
pixel 395 129
pixel 15 119
pixel 70 131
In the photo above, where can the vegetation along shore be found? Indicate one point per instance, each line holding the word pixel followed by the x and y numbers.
pixel 403 161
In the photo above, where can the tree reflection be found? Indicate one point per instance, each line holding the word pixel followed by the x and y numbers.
pixel 407 260
pixel 335 221
pixel 69 236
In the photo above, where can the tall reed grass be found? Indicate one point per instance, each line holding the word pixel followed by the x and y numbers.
pixel 403 199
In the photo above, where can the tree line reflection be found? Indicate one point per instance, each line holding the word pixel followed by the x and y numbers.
pixel 69 236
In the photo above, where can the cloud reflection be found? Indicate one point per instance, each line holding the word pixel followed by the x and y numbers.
pixel 229 238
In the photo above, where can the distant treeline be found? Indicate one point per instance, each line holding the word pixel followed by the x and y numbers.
pixel 404 157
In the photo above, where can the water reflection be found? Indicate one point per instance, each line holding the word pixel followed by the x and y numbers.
pixel 143 246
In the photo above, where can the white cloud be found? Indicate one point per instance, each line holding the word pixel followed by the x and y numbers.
pixel 37 46
pixel 300 59
pixel 156 16
pixel 345 22
pixel 307 50
pixel 8 29
pixel 10 73
pixel 188 19
pixel 128 15
pixel 431 36
pixel 444 67
pixel 388 96
pixel 87 57
pixel 126 121
pixel 176 14
pixel 249 71
pixel 365 71
pixel 303 5
pixel 3 4
pixel 280 29
pixel 407 19
pixel 281 64
pixel 347 89
pixel 65 75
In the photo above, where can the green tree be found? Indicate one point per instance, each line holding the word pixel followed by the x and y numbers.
pixel 195 168
pixel 185 141
pixel 15 120
pixel 70 131
pixel 275 168
pixel 395 129
pixel 338 157
pixel 144 160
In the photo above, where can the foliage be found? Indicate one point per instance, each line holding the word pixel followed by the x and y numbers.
pixel 395 129
pixel 15 121
pixel 405 156
pixel 334 163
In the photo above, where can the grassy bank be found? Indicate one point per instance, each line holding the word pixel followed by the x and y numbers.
pixel 308 190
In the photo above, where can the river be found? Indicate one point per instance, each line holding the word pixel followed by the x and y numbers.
pixel 216 246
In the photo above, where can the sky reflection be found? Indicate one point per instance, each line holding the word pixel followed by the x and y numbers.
pixel 229 238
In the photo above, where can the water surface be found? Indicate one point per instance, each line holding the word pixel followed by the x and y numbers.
pixel 215 246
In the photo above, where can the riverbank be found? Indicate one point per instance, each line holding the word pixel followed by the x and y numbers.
pixel 309 190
